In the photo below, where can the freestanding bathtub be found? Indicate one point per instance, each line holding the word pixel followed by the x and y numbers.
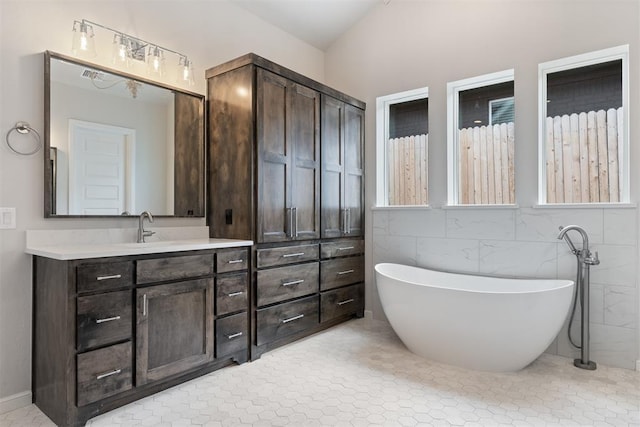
pixel 476 322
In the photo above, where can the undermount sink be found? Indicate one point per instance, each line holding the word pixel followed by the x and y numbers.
pixel 155 244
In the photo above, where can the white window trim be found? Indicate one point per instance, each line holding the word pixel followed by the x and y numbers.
pixel 577 61
pixel 382 132
pixel 453 107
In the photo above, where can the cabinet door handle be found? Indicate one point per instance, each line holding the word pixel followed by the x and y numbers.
pixel 346 248
pixel 144 304
pixel 113 276
pixel 291 319
pixel 235 261
pixel 295 222
pixel 344 221
pixel 292 255
pixel 289 212
pixel 236 335
pixel 346 301
pixel 108 374
pixel 295 282
pixel 235 294
pixel 348 221
pixel 107 319
pixel 340 273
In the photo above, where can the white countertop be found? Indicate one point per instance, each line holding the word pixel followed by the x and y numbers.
pixel 99 250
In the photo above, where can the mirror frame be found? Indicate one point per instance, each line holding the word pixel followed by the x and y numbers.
pixel 49 178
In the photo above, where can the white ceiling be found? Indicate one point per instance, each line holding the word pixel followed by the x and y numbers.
pixel 318 22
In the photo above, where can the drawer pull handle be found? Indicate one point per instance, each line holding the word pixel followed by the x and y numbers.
pixel 346 248
pixel 340 273
pixel 236 261
pixel 108 374
pixel 113 276
pixel 291 319
pixel 295 282
pixel 236 335
pixel 346 301
pixel 235 294
pixel 144 305
pixel 107 319
pixel 292 255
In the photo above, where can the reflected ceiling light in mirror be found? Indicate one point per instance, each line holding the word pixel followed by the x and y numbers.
pixel 127 48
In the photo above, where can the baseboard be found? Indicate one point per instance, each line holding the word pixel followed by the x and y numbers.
pixel 10 403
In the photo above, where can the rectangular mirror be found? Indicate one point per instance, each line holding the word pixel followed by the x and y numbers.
pixel 117 144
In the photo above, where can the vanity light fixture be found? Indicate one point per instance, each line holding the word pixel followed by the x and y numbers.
pixel 127 49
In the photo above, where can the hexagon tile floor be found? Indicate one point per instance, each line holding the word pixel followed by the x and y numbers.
pixel 360 374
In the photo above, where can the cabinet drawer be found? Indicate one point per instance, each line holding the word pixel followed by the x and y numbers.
pixel 341 302
pixel 232 260
pixel 231 334
pixel 286 319
pixel 283 283
pixel 172 268
pixel 286 255
pixel 103 319
pixel 103 373
pixel 341 248
pixel 341 271
pixel 231 293
pixel 104 276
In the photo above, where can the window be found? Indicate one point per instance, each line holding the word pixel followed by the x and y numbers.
pixel 402 148
pixel 481 123
pixel 583 129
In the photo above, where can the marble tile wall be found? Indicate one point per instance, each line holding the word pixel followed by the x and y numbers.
pixel 522 243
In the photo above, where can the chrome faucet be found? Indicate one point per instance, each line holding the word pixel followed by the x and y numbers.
pixel 142 233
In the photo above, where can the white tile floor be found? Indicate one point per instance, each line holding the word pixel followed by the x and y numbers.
pixel 360 374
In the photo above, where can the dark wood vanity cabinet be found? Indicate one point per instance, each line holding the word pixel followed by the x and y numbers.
pixel 108 331
pixel 287 171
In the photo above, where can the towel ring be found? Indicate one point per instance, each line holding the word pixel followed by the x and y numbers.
pixel 24 128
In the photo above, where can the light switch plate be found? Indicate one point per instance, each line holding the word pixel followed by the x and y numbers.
pixel 8 218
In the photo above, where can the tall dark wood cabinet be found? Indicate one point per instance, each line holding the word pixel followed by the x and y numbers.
pixel 286 171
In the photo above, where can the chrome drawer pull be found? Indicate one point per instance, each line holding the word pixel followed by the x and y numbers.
pixel 291 319
pixel 292 255
pixel 108 374
pixel 340 273
pixel 107 319
pixel 114 276
pixel 346 248
pixel 346 301
pixel 236 261
pixel 235 294
pixel 295 282
pixel 232 336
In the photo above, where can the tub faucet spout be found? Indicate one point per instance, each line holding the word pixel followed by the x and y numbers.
pixel 583 234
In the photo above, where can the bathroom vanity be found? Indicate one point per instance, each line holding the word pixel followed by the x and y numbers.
pixel 110 329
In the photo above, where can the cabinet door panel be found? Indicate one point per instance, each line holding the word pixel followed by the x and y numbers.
pixel 175 328
pixel 303 133
pixel 354 170
pixel 274 158
pixel 332 166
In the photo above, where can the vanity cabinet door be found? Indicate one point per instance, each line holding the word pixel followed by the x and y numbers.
pixel 342 168
pixel 288 136
pixel 174 328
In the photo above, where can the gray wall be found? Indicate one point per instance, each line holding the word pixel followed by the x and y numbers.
pixel 452 40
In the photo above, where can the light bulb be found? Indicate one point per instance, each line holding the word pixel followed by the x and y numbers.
pixel 185 71
pixel 155 61
pixel 121 53
pixel 83 43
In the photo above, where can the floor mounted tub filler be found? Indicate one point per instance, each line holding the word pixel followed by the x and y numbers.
pixel 476 322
